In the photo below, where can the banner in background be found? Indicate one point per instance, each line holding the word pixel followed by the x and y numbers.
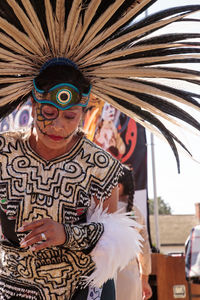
pixel 18 119
pixel 124 139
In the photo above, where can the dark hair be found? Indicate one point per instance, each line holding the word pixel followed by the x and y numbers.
pixel 127 180
pixel 56 74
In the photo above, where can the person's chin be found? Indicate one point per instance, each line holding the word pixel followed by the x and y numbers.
pixel 52 143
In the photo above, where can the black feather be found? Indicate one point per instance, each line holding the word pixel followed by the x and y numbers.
pixel 148 117
pixel 168 108
pixel 7 109
pixel 187 96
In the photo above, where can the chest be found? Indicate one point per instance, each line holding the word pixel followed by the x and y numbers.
pixel 31 189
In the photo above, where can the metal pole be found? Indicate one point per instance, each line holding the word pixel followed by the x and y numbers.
pixel 157 233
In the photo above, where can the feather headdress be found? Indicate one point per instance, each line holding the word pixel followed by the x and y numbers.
pixel 122 55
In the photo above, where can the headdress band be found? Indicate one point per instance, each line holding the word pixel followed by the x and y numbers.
pixel 63 96
pixel 58 61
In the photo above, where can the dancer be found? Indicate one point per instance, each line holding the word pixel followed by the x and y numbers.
pixel 55 184
pixel 52 178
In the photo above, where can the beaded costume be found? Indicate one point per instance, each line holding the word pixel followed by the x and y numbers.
pixel 61 189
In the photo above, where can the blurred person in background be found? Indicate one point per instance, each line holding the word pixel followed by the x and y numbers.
pixel 132 281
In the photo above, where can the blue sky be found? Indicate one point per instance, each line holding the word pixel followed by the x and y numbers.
pixel 180 191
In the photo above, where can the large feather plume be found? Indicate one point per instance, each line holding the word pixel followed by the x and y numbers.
pixel 121 54
pixel 120 234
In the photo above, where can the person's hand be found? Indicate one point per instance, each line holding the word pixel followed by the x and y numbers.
pixel 146 289
pixel 43 233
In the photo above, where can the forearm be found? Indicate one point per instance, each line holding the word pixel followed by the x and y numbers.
pixel 144 278
pixel 85 236
pixel 145 256
pixel 145 262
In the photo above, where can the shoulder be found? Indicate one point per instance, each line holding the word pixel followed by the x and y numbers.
pixel 95 149
pixel 101 158
pixel 105 170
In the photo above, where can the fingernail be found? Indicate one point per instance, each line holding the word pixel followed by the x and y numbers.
pixel 23 245
pixel 21 228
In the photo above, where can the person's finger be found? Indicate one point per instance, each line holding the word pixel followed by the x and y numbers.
pixel 32 225
pixel 34 232
pixel 52 230
pixel 34 240
pixel 41 246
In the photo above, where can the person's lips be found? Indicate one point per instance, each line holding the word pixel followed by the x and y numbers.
pixel 55 137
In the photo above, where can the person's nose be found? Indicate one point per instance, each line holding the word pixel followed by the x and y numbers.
pixel 58 124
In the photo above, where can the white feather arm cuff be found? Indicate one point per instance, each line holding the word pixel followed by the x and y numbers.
pixel 119 244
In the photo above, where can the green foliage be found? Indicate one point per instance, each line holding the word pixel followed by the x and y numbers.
pixel 163 208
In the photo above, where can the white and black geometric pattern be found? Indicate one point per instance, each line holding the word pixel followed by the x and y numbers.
pixel 32 188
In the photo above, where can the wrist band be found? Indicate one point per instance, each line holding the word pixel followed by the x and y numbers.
pixel 67 233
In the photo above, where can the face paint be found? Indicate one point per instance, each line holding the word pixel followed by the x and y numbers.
pixel 65 137
pixel 61 96
pixel 46 114
pixel 43 117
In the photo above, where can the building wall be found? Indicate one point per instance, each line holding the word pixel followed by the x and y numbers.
pixel 172 249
